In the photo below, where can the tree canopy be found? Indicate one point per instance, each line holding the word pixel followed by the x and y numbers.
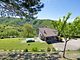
pixel 21 8
pixel 65 29
pixel 27 28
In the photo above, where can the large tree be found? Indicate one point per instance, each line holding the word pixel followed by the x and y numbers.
pixel 21 8
pixel 27 29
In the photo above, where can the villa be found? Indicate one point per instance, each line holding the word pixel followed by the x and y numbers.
pixel 47 34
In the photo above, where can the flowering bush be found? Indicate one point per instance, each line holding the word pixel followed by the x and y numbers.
pixel 59 38
pixel 48 49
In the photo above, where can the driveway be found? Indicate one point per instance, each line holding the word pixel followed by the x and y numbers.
pixel 38 39
pixel 73 44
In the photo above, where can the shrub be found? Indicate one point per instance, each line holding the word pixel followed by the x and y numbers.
pixel 53 49
pixel 35 49
pixel 42 50
pixel 2 37
pixel 10 50
pixel 25 50
pixel 48 49
pixel 5 50
pixel 68 50
pixel 78 49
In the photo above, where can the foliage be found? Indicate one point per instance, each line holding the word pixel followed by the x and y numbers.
pixel 25 50
pixel 53 49
pixel 10 50
pixel 26 8
pixel 10 32
pixel 16 23
pixel 27 29
pixel 78 49
pixel 48 49
pixel 2 37
pixel 67 30
pixel 76 24
pixel 57 25
pixel 68 50
pixel 35 49
pixel 5 50
pixel 76 36
pixel 42 50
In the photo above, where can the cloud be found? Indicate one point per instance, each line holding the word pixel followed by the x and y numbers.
pixel 70 20
pixel 48 18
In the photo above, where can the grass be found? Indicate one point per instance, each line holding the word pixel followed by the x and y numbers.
pixel 15 44
pixel 73 51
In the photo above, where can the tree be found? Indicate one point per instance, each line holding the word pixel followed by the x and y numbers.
pixel 10 32
pixel 57 25
pixel 76 24
pixel 27 29
pixel 65 29
pixel 21 8
pixel 1 28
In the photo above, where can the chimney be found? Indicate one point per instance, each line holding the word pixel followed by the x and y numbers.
pixel 44 31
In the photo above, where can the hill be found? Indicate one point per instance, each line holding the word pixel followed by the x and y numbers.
pixel 19 23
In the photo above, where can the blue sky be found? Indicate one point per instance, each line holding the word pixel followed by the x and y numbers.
pixel 55 9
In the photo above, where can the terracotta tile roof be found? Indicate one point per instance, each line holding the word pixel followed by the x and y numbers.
pixel 47 32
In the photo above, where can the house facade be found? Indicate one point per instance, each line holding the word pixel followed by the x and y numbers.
pixel 47 34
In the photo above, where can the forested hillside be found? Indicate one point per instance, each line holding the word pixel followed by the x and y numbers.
pixel 19 23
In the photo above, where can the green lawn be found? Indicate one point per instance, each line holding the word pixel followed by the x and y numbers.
pixel 15 43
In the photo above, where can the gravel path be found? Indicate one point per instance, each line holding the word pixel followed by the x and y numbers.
pixel 73 44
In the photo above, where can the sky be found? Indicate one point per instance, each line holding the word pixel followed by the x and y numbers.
pixel 55 9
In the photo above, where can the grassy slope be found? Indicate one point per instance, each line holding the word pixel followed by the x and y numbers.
pixel 8 43
pixel 18 22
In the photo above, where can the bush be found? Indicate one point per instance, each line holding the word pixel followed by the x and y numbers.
pixel 53 49
pixel 2 37
pixel 25 50
pixel 48 49
pixel 10 50
pixel 42 50
pixel 5 50
pixel 35 49
pixel 78 49
pixel 68 50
